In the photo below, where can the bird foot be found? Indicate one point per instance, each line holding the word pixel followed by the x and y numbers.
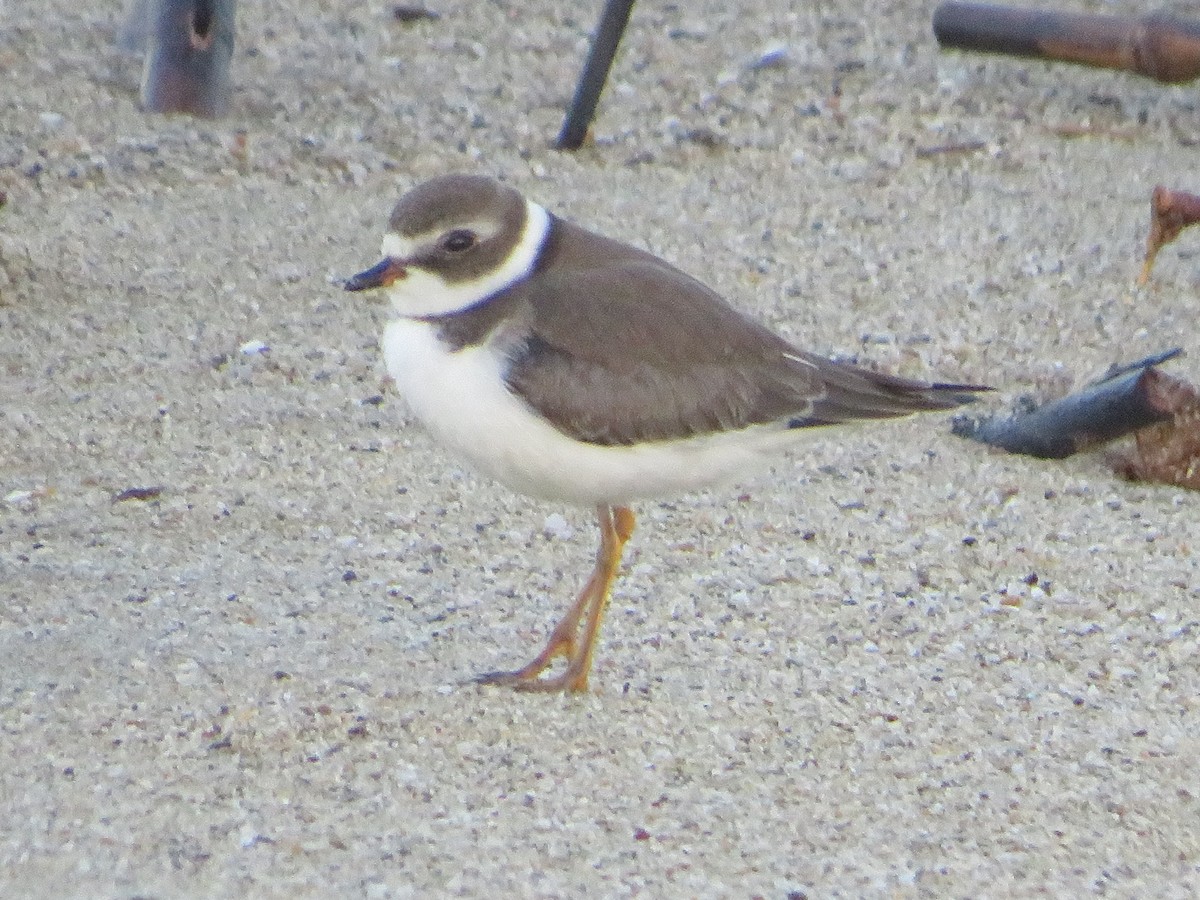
pixel 570 680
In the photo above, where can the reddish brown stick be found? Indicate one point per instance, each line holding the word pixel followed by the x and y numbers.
pixel 1169 452
pixel 1159 45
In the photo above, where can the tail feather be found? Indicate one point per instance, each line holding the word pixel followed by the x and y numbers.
pixel 853 393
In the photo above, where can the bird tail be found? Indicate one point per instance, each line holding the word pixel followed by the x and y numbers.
pixel 851 392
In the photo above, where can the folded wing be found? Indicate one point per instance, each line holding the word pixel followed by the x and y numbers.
pixel 640 352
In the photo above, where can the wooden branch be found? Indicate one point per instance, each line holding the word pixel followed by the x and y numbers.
pixel 1125 401
pixel 187 63
pixel 1170 213
pixel 1159 45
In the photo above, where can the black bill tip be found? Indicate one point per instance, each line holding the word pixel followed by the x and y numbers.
pixel 381 274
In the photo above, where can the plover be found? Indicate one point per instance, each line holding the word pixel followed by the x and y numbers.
pixel 579 369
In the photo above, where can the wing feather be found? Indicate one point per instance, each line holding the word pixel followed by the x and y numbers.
pixel 638 351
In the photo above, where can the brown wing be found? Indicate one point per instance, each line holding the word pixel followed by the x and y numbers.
pixel 639 352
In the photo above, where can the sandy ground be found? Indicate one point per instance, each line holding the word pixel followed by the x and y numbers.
pixel 898 664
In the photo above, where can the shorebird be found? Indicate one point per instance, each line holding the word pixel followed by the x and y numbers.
pixel 579 369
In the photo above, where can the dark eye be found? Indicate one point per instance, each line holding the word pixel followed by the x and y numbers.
pixel 458 240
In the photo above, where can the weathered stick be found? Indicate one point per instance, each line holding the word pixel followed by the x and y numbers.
pixel 1159 45
pixel 187 60
pixel 595 71
pixel 1170 213
pixel 1121 403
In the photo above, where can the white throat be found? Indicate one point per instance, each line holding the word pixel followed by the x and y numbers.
pixel 420 294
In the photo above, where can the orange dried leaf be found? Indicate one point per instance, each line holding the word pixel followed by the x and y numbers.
pixel 1170 213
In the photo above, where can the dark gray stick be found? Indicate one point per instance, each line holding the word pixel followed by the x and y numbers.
pixel 1120 404
pixel 595 72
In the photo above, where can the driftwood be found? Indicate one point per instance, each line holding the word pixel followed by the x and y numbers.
pixel 189 45
pixel 1124 401
pixel 1159 45
pixel 1170 213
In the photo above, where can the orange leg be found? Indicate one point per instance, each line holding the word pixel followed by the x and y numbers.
pixel 616 527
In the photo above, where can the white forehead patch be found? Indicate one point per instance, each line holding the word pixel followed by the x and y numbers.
pixel 397 247
pixel 402 246
pixel 421 293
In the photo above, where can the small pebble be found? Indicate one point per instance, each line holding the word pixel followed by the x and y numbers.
pixel 773 57
pixel 556 526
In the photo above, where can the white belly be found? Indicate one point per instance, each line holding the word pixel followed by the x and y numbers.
pixel 462 399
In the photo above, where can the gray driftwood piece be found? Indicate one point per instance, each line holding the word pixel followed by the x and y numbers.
pixel 1119 404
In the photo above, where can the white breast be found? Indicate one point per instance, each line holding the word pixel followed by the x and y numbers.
pixel 463 400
